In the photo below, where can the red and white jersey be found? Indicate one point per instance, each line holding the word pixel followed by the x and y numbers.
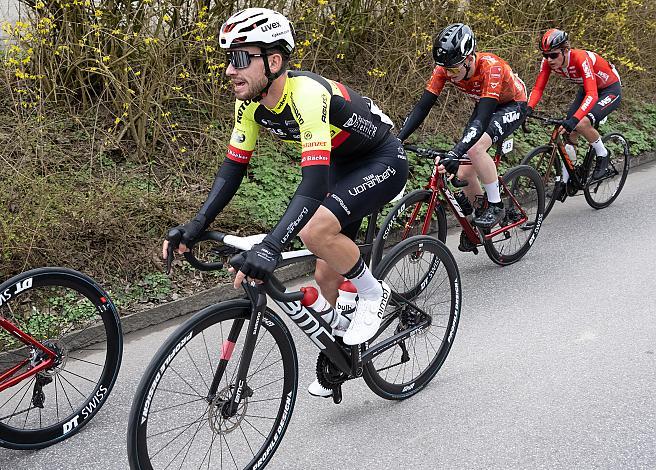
pixel 493 78
pixel 584 68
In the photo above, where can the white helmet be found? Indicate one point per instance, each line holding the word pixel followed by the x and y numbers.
pixel 259 27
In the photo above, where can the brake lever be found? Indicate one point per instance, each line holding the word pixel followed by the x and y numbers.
pixel 525 127
pixel 174 236
pixel 169 258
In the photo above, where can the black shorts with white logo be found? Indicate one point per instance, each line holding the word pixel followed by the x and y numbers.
pixel 608 101
pixel 366 183
pixel 506 119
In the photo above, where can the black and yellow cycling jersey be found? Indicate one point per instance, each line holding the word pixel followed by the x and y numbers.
pixel 328 120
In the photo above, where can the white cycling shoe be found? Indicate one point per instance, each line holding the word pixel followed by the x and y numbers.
pixel 367 317
pixel 317 390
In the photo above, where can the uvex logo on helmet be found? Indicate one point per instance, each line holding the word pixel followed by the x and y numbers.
pixel 258 27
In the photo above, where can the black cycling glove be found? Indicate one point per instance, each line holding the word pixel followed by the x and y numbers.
pixel 191 230
pixel 451 162
pixel 261 260
pixel 569 124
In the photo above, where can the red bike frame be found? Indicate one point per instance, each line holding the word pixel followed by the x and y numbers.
pixel 8 378
pixel 437 185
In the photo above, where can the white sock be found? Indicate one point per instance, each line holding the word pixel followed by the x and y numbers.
pixel 492 191
pixel 599 148
pixel 367 285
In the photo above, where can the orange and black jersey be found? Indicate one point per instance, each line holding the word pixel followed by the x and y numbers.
pixel 327 119
pixel 493 78
pixel 492 85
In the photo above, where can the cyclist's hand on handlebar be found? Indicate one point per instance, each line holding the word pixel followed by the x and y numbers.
pixel 258 263
pixel 181 237
pixel 171 243
pixel 568 125
pixel 449 163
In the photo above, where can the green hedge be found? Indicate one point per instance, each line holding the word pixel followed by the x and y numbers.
pixel 116 113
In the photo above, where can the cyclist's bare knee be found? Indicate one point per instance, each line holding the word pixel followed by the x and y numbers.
pixel 583 125
pixel 466 172
pixel 479 149
pixel 319 228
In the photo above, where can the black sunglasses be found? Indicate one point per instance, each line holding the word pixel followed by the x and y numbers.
pixel 550 55
pixel 241 59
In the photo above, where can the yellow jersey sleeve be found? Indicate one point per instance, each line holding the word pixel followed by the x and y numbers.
pixel 244 133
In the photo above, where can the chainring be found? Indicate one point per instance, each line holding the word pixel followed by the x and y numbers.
pixel 328 375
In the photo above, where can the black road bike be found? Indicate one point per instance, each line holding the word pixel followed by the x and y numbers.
pixel 220 392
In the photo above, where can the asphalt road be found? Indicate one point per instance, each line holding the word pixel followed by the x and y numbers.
pixel 553 366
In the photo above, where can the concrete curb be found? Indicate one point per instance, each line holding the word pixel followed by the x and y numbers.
pixel 196 302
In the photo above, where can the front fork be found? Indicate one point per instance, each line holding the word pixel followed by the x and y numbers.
pixel 258 300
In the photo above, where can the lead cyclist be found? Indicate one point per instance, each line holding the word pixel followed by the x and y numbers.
pixel 351 164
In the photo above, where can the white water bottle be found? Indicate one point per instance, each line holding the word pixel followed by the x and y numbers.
pixel 346 303
pixel 313 299
pixel 571 152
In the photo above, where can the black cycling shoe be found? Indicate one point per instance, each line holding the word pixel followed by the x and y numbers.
pixel 560 191
pixel 465 245
pixel 492 216
pixel 600 167
pixel 480 204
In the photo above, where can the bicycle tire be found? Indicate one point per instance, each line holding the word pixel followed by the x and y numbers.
pixel 618 166
pixel 399 216
pixel 77 319
pixel 440 298
pixel 155 407
pixel 545 160
pixel 525 184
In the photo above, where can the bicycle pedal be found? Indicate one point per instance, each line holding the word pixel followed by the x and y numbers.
pixel 465 245
pixel 337 395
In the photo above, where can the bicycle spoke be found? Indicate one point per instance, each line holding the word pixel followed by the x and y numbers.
pixel 185 381
pixel 251 425
pixel 172 459
pixel 178 405
pixel 265 368
pixel 65 394
pixel 267 384
pixel 247 442
pixel 85 361
pixel 183 427
pixel 196 367
pixel 207 352
pixel 66 371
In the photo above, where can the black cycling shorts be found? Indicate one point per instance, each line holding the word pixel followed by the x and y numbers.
pixel 506 119
pixel 608 101
pixel 366 183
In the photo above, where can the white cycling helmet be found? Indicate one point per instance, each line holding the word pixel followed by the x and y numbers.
pixel 258 27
